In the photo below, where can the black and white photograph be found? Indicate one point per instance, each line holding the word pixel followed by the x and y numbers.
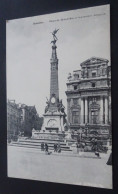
pixel 58 71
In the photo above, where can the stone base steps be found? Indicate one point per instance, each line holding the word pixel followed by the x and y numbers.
pixel 36 143
pixel 42 140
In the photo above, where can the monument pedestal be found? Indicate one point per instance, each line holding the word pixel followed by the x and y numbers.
pixel 53 122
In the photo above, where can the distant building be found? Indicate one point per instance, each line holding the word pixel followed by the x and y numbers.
pixel 38 122
pixel 13 119
pixel 89 95
pixel 22 118
pixel 29 119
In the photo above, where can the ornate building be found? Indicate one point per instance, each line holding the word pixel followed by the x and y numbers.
pixel 89 95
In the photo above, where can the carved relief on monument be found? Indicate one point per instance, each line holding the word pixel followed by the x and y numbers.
pixel 52 123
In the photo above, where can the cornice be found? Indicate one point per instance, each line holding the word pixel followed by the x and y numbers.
pixel 88 90
pixel 88 79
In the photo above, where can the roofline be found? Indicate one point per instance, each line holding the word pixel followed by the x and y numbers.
pixel 77 70
pixel 92 58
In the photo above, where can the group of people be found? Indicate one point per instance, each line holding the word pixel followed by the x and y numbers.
pixel 94 146
pixel 57 147
pixel 44 147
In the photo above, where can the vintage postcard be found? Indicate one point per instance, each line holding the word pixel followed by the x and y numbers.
pixel 59 97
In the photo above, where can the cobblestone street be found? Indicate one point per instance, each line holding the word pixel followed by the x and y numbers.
pixel 30 163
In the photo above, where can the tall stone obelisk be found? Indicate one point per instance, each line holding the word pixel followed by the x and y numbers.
pixel 54 116
pixel 54 87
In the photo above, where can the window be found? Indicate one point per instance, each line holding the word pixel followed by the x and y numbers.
pixel 75 113
pixel 93 74
pixel 75 101
pixel 94 113
pixel 93 85
pixel 94 117
pixel 76 76
pixel 94 100
pixel 75 117
pixel 103 71
pixel 75 87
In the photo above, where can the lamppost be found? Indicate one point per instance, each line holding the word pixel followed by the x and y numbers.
pixel 86 129
pixel 80 132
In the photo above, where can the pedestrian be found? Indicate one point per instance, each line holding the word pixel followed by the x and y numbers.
pixel 46 147
pixel 55 147
pixel 59 148
pixel 94 144
pixel 42 146
pixel 96 148
pixel 109 162
pixel 77 148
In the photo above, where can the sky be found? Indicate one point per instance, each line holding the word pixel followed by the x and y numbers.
pixel 82 34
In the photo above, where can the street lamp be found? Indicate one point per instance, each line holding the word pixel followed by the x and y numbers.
pixel 80 132
pixel 86 128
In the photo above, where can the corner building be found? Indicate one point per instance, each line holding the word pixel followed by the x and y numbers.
pixel 89 95
pixel 13 119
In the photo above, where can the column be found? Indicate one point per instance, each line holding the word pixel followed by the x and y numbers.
pixel 61 123
pixel 71 111
pixel 106 110
pixel 86 110
pixel 82 111
pixel 101 110
pixel 109 108
pixel 68 109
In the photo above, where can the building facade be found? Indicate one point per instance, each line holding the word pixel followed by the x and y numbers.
pixel 13 119
pixel 89 95
pixel 29 119
pixel 22 118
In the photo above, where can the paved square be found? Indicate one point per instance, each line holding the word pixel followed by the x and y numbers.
pixel 30 163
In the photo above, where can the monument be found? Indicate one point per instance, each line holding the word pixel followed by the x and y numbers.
pixel 54 117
